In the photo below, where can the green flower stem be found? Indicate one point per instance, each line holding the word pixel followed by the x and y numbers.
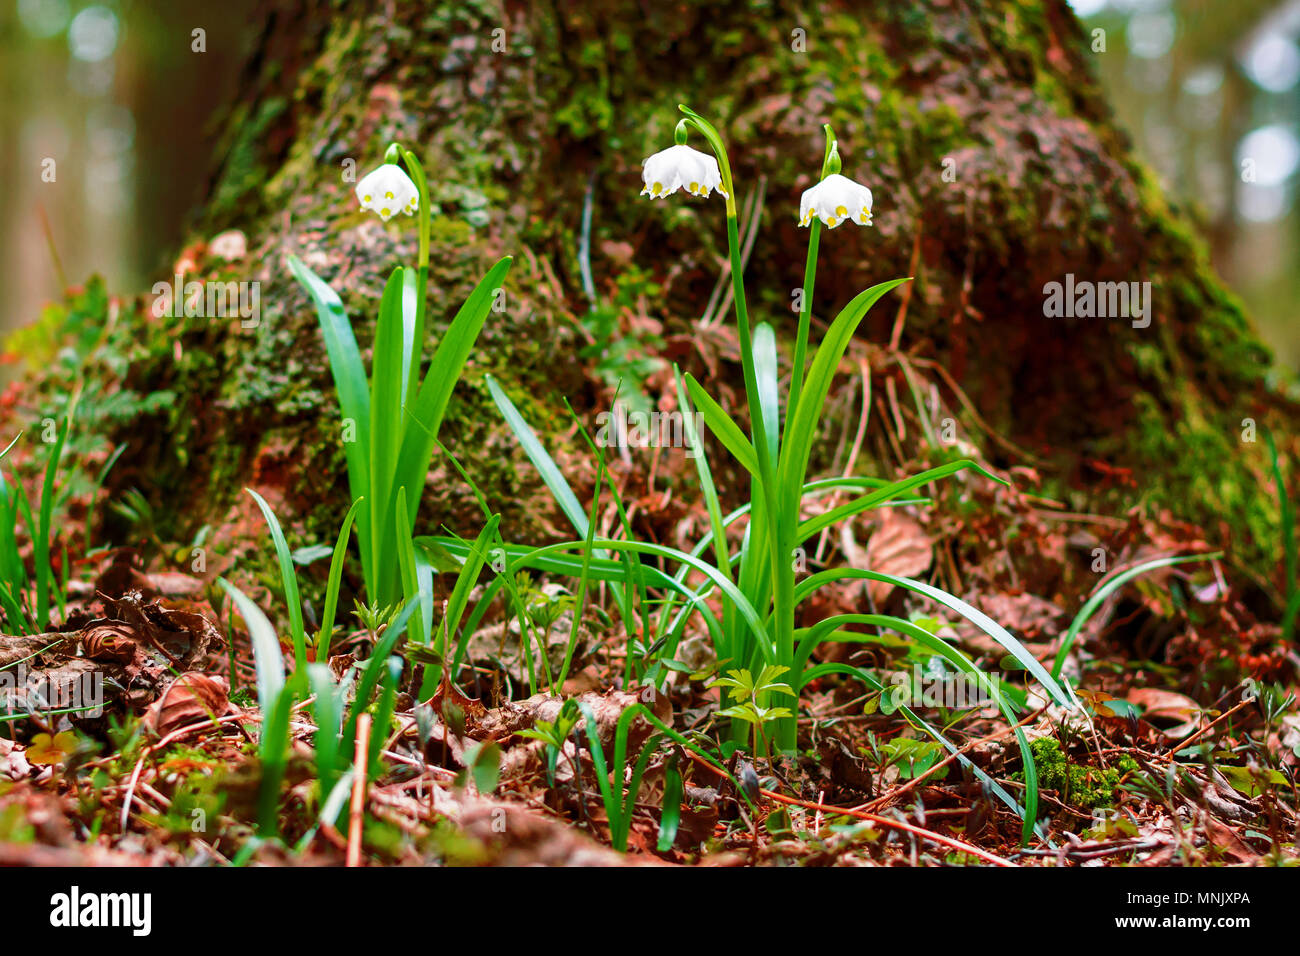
pixel 798 369
pixel 422 262
pixel 738 289
pixel 782 571
pixel 779 542
pixel 830 164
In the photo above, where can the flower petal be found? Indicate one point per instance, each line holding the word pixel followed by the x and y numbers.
pixel 835 200
pixel 680 167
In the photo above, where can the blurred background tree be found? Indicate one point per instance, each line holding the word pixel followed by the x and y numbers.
pixel 116 102
pixel 1210 91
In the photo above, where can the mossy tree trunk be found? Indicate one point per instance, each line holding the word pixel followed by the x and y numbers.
pixel 995 165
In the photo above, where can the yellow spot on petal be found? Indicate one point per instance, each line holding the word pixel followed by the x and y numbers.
pixel 831 222
pixel 841 211
pixel 385 212
pixel 368 197
pixel 657 189
pixel 695 187
pixel 388 195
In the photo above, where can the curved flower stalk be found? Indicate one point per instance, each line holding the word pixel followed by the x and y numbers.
pixel 761 571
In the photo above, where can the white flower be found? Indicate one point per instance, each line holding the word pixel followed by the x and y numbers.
pixel 669 170
pixel 835 199
pixel 387 191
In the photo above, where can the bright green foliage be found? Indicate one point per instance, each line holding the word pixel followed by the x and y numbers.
pixel 26 598
pixel 390 428
pixel 752 696
pixel 1109 586
pixel 391 420
pixel 619 807
pixel 554 733
pixel 335 737
pixel 1078 785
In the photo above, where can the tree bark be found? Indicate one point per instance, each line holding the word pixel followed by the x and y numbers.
pixel 979 126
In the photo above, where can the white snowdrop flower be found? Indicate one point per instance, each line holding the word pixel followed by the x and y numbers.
pixel 680 167
pixel 388 191
pixel 834 200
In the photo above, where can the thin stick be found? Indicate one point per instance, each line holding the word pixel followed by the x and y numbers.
pixel 54 250
pixel 170 738
pixel 1210 726
pixel 897 335
pixel 884 800
pixel 984 426
pixel 360 761
pixel 870 817
pixel 894 824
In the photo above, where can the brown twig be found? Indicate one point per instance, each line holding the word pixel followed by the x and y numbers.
pixel 984 426
pixel 897 334
pixel 148 751
pixel 1210 726
pixel 362 765
pixel 869 817
pixel 882 801
pixel 921 832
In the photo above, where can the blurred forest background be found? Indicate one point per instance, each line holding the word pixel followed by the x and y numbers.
pixel 120 96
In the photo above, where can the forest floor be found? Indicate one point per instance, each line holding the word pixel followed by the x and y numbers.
pixel 1183 751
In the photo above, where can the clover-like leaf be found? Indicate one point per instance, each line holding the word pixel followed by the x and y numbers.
pixel 48 751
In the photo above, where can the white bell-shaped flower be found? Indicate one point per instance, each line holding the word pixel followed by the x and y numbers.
pixel 388 191
pixel 679 167
pixel 834 200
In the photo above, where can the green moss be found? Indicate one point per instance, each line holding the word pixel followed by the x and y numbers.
pixel 1078 785
pixel 243 181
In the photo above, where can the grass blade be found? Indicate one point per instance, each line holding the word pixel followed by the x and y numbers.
pixel 1105 590
pixel 816 523
pixel 329 721
pixel 43 571
pixel 767 375
pixel 542 461
pixel 466 579
pixel 289 578
pixel 444 371
pixel 267 658
pixel 388 379
pixel 696 445
pixel 726 430
pixel 350 384
pixel 326 632
pixel 801 424
pixel 975 616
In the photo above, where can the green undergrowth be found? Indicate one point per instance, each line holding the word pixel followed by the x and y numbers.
pixel 1078 785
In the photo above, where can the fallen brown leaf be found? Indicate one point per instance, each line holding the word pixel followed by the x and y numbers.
pixel 898 546
pixel 1167 707
pixel 189 699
